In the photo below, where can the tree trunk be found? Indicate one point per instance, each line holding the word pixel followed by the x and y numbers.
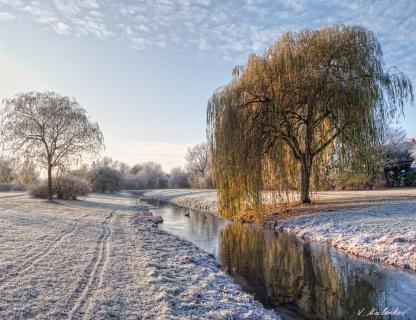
pixel 50 193
pixel 305 177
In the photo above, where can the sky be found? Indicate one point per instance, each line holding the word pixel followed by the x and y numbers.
pixel 145 69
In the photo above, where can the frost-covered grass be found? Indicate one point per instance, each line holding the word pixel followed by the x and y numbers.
pixel 10 194
pixel 199 199
pixel 379 225
pixel 385 233
pixel 104 257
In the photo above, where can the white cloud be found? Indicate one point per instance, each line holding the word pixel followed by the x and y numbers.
pixel 77 17
pixel 67 6
pixel 227 28
pixel 90 4
pixel 6 16
pixel 61 28
pixel 40 14
pixel 90 26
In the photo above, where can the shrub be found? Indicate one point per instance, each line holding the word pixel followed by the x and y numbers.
pixel 5 187
pixel 40 191
pixel 70 187
pixel 105 179
pixel 132 182
pixel 410 178
pixel 11 187
pixel 359 181
pixel 18 187
pixel 162 182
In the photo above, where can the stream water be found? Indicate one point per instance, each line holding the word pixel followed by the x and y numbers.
pixel 298 279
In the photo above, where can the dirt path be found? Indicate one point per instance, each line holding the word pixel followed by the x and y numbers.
pixel 104 257
pixel 93 275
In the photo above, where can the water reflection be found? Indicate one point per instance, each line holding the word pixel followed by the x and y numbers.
pixel 202 229
pixel 312 280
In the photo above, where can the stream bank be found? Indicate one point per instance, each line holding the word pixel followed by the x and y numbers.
pixel 379 225
pixel 295 277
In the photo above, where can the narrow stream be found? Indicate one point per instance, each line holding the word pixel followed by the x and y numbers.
pixel 298 279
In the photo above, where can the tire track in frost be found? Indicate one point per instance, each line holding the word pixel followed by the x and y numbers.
pixel 93 273
pixel 33 259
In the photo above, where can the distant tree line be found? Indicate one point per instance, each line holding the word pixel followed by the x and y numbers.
pixel 52 133
pixel 112 175
pixel 108 175
pixel 47 132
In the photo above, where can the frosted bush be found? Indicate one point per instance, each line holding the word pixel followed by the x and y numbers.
pixel 70 187
pixel 148 175
pixel 5 187
pixel 105 179
pixel 39 191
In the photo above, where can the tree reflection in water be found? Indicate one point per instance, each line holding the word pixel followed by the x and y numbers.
pixel 283 271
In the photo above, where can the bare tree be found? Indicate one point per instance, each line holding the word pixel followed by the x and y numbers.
pixel 197 159
pixel 392 136
pixel 52 129
pixel 198 166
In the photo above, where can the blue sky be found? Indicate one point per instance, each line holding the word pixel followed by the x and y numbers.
pixel 145 69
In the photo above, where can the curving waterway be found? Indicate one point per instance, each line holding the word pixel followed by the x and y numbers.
pixel 298 279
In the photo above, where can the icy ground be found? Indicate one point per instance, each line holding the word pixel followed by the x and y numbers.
pixel 104 257
pixel 379 225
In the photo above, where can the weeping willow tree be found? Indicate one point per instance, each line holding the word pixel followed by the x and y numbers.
pixel 312 97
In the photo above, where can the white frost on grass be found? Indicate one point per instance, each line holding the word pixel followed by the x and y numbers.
pixel 104 257
pixel 199 199
pixel 385 233
pixel 12 194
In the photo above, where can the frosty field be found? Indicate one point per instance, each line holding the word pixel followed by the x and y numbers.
pixel 385 232
pixel 104 257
